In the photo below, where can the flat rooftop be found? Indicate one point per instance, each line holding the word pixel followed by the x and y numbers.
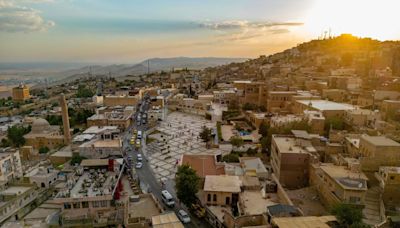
pixel 94 162
pixel 390 169
pixel 15 190
pixel 243 81
pixel 115 143
pixel 167 220
pixel 222 183
pixel 97 129
pixel 380 140
pixel 91 184
pixel 345 177
pixel 253 163
pixel 304 221
pixel 254 203
pixel 324 105
pixel 145 207
pixel 287 144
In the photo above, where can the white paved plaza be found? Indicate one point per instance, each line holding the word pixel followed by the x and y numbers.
pixel 178 135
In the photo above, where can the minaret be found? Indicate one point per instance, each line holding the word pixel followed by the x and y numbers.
pixel 65 119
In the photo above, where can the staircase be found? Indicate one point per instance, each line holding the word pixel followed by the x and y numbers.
pixel 371 212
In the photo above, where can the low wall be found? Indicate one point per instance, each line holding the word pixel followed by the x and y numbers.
pixel 282 195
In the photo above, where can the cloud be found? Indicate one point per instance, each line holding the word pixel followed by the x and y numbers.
pixel 16 18
pixel 242 24
pixel 246 31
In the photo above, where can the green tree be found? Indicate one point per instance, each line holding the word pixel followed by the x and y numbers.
pixel 348 215
pixel 44 150
pixel 335 123
pixel 54 120
pixel 5 142
pixel 205 134
pixel 83 92
pixel 249 106
pixel 236 141
pixel 76 159
pixel 15 135
pixel 232 157
pixel 186 184
pixel 265 144
pixel 263 129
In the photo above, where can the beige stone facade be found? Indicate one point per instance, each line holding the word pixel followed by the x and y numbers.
pixel 20 93
pixel 376 151
pixel 290 161
pixel 336 184
pixel 110 100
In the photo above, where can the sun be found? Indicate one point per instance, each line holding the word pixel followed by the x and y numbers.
pixel 366 18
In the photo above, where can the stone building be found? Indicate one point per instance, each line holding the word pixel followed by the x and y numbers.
pixel 389 182
pixel 336 184
pixel 221 190
pixel 44 135
pixel 20 93
pixel 376 151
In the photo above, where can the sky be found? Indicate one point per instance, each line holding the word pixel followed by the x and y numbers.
pixel 128 31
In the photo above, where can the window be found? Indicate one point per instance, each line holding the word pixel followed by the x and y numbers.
pixel 214 197
pixel 104 203
pixel 95 204
pixel 391 177
pixel 354 199
pixel 76 205
pixel 85 204
pixel 67 206
pixel 208 197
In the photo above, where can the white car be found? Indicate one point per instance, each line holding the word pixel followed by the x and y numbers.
pixel 139 157
pixel 139 165
pixel 183 216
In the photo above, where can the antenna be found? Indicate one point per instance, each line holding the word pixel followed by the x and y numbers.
pixel 148 66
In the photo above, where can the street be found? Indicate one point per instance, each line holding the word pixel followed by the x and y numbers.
pixel 145 174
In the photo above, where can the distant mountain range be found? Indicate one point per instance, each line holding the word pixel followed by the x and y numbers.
pixel 47 70
pixel 154 65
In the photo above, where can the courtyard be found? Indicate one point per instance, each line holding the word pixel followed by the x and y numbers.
pixel 177 135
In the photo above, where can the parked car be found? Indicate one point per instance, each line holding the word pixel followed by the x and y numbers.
pixel 167 198
pixel 139 157
pixel 183 216
pixel 139 165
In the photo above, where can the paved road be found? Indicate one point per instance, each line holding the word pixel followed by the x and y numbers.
pixel 146 175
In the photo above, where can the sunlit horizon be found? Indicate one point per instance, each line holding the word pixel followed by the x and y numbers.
pixel 131 31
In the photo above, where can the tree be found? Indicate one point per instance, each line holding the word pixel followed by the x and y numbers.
pixel 232 157
pixel 348 215
pixel 16 135
pixel 76 159
pixel 265 143
pixel 249 106
pixel 54 120
pixel 186 184
pixel 5 142
pixel 44 150
pixel 335 123
pixel 263 129
pixel 251 151
pixel 83 92
pixel 205 134
pixel 236 141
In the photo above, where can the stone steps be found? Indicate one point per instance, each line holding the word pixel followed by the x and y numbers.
pixel 371 211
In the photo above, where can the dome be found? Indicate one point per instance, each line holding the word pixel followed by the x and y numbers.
pixel 40 126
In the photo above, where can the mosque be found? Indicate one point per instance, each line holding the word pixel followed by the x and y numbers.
pixel 44 135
